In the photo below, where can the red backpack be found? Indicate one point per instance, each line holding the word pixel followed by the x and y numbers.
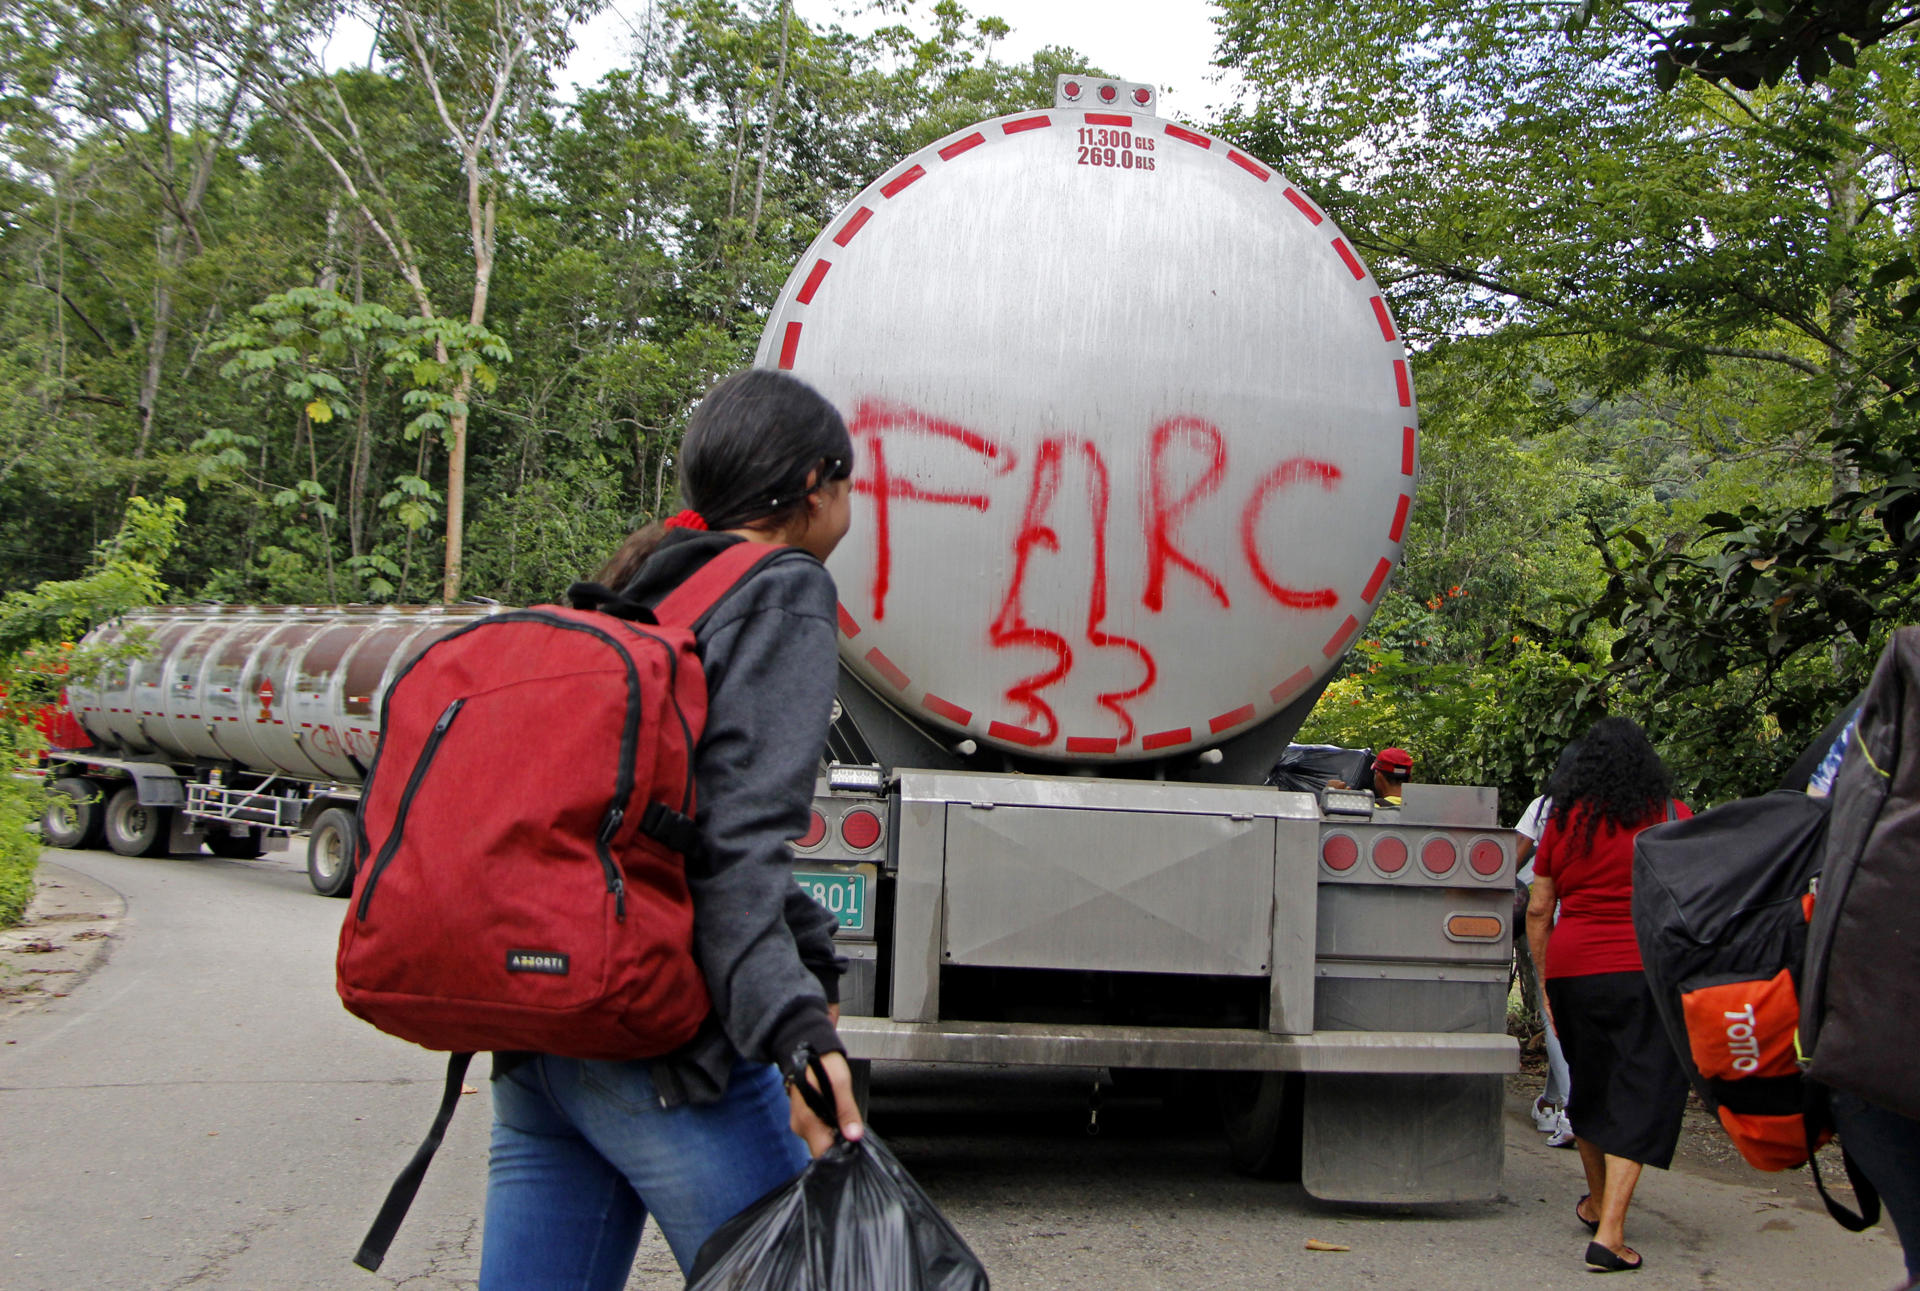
pixel 522 831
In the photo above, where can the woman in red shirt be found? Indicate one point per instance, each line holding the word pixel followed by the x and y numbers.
pixel 1629 1090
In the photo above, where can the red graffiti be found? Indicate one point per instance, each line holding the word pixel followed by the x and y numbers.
pixel 1164 516
pixel 873 422
pixel 1292 471
pixel 1011 628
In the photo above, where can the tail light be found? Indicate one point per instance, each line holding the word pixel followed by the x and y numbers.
pixel 816 832
pixel 1389 854
pixel 1475 927
pixel 1486 857
pixel 1438 856
pixel 860 829
pixel 1340 853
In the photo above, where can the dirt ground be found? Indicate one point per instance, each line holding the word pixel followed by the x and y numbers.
pixel 68 932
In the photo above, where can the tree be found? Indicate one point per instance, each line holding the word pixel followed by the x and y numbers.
pixel 483 70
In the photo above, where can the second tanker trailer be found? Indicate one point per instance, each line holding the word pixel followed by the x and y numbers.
pixel 1137 446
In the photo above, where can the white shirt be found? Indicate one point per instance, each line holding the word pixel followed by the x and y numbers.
pixel 1532 824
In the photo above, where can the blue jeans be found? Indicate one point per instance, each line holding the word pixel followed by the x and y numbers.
pixel 583 1152
pixel 1886 1147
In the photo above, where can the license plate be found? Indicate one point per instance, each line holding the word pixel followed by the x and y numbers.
pixel 845 894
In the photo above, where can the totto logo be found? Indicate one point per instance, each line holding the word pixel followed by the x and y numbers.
pixel 1742 1041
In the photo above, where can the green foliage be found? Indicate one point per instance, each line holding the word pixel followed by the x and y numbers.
pixel 37 631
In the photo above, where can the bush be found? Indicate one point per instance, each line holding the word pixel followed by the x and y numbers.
pixel 37 629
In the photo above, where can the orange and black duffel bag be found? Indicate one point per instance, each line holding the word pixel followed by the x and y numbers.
pixel 1720 907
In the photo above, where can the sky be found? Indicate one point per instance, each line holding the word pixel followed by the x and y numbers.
pixel 1166 43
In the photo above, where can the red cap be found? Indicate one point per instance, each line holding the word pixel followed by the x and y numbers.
pixel 1393 760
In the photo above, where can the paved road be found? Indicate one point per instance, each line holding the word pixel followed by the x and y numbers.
pixel 201 1113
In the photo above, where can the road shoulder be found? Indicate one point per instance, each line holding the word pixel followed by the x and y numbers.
pixel 69 930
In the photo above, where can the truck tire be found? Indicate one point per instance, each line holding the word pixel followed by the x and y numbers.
pixel 238 847
pixel 73 815
pixel 330 853
pixel 133 829
pixel 1261 1111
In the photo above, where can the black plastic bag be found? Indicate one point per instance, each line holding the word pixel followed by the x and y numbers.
pixel 1308 767
pixel 853 1220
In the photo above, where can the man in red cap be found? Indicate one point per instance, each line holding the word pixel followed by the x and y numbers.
pixel 1392 768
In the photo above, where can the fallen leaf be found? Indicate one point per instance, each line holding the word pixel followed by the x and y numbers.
pixel 1315 1244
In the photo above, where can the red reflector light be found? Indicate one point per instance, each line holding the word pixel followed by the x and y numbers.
pixel 816 831
pixel 1438 855
pixel 1141 95
pixel 1108 93
pixel 1474 927
pixel 1389 855
pixel 1485 857
pixel 860 829
pixel 1073 89
pixel 1340 853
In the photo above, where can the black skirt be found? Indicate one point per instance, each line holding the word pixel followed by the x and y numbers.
pixel 1629 1090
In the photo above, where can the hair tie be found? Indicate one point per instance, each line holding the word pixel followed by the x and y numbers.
pixel 688 520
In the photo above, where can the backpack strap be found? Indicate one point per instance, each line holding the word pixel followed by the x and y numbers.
pixel 400 1197
pixel 689 604
pixel 1814 1119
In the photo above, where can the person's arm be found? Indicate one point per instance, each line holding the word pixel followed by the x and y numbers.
pixel 1540 901
pixel 771 674
pixel 813 928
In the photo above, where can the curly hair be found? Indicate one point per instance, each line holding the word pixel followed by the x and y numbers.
pixel 1613 775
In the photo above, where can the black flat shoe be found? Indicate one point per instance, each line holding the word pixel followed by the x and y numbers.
pixel 1603 1260
pixel 1592 1225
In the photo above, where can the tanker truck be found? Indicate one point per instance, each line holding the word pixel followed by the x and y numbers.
pixel 1136 443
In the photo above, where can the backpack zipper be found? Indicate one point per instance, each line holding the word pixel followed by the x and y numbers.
pixel 406 800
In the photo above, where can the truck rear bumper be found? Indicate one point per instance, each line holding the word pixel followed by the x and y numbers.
pixel 1181 1048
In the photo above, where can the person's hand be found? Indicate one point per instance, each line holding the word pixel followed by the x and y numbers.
pixel 817 1133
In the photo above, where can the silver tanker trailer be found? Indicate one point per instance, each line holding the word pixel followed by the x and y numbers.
pixel 1137 445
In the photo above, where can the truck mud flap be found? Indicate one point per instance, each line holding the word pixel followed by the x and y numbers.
pixel 1402 1139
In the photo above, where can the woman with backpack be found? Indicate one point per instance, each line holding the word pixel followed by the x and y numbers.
pixel 1629 1090
pixel 583 1151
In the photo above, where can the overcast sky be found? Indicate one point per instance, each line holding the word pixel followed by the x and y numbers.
pixel 1168 43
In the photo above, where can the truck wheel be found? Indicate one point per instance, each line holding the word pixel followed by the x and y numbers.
pixel 1261 1111
pixel 72 817
pixel 133 829
pixel 330 853
pixel 238 847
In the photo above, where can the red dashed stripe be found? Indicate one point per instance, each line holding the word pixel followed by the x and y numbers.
pixel 1353 262
pixel 959 146
pixel 1303 206
pixel 1382 317
pixel 947 709
pixel 789 346
pixel 1403 382
pixel 1108 119
pixel 900 183
pixel 814 279
pixel 887 668
pixel 1399 518
pixel 1249 165
pixel 1339 639
pixel 1193 137
pixel 1292 685
pixel 1015 734
pixel 1406 451
pixel 1092 744
pixel 1380 572
pixel 1227 721
pixel 1161 739
pixel 1025 124
pixel 853 226
pixel 848 627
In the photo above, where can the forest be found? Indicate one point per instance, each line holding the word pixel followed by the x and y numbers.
pixel 346 300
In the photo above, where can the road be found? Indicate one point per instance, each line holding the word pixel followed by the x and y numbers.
pixel 200 1112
